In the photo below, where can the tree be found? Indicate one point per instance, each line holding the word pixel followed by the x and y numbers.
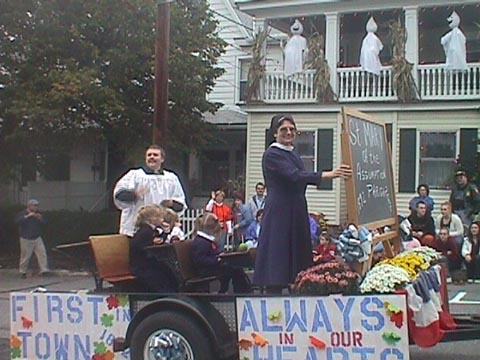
pixel 75 68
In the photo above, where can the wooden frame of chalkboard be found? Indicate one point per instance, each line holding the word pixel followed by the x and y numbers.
pixel 370 191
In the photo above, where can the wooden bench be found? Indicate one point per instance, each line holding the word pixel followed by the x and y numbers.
pixel 112 260
pixel 187 273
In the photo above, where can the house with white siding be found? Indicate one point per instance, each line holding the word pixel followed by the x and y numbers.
pixel 426 135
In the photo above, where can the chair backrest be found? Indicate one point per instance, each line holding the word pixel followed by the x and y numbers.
pixel 183 250
pixel 112 254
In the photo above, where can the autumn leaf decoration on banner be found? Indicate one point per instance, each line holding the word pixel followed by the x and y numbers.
pixel 15 347
pixel 275 316
pixel 259 340
pixel 113 302
pixel 316 342
pixel 27 323
pixel 395 314
pixel 391 338
pixel 245 344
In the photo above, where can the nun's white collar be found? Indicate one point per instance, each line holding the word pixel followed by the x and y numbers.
pixel 283 147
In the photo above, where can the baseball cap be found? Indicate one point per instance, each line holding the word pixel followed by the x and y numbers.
pixel 33 202
pixel 460 173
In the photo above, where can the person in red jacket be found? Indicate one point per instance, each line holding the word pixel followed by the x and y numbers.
pixel 224 214
pixel 325 251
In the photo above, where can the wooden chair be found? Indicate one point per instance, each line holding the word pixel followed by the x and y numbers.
pixel 112 260
pixel 187 273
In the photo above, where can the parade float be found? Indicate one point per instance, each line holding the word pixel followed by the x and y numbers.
pixel 358 307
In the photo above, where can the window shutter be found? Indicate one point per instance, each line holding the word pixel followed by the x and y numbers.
pixel 325 155
pixel 266 139
pixel 407 166
pixel 468 149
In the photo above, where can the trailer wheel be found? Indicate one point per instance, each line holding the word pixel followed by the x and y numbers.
pixel 169 335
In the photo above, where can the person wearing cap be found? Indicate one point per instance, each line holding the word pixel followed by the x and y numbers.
pixel 465 198
pixel 147 185
pixel 284 246
pixel 30 228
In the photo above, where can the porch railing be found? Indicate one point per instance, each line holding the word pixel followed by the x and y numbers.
pixel 437 83
pixel 354 84
pixel 294 88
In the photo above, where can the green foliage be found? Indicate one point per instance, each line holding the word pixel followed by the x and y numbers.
pixel 86 68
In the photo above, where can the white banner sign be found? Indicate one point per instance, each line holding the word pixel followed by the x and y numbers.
pixel 331 328
pixel 67 326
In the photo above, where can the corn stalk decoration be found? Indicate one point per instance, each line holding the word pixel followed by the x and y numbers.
pixel 403 81
pixel 316 60
pixel 256 72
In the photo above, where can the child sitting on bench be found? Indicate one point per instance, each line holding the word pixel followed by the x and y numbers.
pixel 205 256
pixel 152 274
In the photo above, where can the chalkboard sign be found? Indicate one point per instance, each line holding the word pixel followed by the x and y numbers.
pixel 370 191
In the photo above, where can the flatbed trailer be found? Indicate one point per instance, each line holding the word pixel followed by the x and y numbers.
pixel 103 326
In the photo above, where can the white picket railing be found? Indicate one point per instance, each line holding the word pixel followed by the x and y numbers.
pixel 188 221
pixel 354 84
pixel 438 83
pixel 294 88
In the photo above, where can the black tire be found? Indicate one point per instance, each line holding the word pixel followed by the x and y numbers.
pixel 193 333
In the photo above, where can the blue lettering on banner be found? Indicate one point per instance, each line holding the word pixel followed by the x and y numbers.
pixel 274 352
pixel 364 306
pixel 265 326
pixel 123 315
pixel 248 317
pixel 292 318
pixel 74 304
pixel 364 352
pixel 36 313
pixel 42 352
pixel 82 347
pixel 345 309
pixel 61 346
pixel 24 335
pixel 16 306
pixel 54 304
pixel 96 301
pixel 391 353
pixel 320 318
pixel 337 351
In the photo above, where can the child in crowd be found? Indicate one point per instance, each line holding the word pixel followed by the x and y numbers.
pixel 206 256
pixel 471 251
pixel 253 231
pixel 152 274
pixel 325 251
pixel 224 214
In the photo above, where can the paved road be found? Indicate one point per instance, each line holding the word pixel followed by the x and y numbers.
pixel 466 299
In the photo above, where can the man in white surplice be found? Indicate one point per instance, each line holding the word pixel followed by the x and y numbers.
pixel 148 185
pixel 371 47
pixel 295 50
pixel 454 45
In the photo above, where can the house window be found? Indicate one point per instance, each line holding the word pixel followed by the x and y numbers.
pixel 244 66
pixel 437 158
pixel 305 145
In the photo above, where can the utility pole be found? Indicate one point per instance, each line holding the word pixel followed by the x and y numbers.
pixel 162 46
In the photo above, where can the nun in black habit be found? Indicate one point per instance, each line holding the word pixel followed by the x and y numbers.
pixel 284 247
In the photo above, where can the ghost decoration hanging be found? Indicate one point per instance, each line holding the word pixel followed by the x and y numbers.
pixel 371 47
pixel 454 45
pixel 295 50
